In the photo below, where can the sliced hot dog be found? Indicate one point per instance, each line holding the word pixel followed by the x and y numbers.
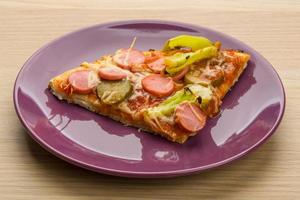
pixel 180 74
pixel 158 65
pixel 127 57
pixel 83 81
pixel 112 74
pixel 158 85
pixel 190 117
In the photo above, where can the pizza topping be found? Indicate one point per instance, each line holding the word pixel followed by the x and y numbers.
pixel 180 64
pixel 195 94
pixel 211 73
pixel 110 73
pixel 218 45
pixel 213 107
pixel 194 42
pixel 83 81
pixel 112 92
pixel 142 101
pixel 137 102
pixel 214 76
pixel 178 76
pixel 193 76
pixel 177 59
pixel 158 65
pixel 125 58
pixel 139 68
pixel 190 117
pixel 152 55
pixel 201 92
pixel 158 85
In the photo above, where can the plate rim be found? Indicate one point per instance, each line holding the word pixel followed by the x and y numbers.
pixel 144 174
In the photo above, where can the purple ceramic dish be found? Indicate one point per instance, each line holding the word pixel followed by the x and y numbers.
pixel 250 112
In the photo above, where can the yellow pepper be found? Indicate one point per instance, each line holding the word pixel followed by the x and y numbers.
pixel 191 93
pixel 194 42
pixel 179 61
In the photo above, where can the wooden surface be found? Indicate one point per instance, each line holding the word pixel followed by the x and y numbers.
pixel 272 172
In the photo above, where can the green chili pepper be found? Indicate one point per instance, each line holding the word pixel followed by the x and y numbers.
pixel 177 59
pixel 191 93
pixel 178 62
pixel 194 42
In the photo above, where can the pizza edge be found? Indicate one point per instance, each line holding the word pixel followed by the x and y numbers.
pixel 115 114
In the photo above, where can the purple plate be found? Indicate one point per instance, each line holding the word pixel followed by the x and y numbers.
pixel 250 112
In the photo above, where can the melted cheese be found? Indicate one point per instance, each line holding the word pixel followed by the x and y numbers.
pixel 168 119
pixel 123 106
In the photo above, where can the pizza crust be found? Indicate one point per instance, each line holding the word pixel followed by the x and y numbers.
pixel 82 101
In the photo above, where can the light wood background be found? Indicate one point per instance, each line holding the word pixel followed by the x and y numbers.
pixel 270 26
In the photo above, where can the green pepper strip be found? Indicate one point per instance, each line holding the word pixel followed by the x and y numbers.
pixel 190 93
pixel 174 63
pixel 194 42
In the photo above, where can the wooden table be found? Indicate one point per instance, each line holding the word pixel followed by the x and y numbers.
pixel 272 172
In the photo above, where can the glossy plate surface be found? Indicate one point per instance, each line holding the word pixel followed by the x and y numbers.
pixel 250 112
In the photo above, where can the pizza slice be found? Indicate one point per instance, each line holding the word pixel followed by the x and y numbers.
pixel 170 92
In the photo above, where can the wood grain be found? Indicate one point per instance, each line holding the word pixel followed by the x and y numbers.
pixel 272 172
